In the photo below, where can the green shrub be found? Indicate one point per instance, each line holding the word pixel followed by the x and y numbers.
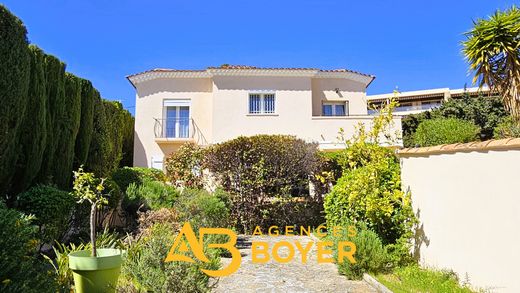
pixel 20 268
pixel 144 267
pixel 372 194
pixel 253 169
pixel 370 255
pixel 14 86
pixel 507 129
pixel 485 112
pixel 51 207
pixel 150 194
pixel 202 209
pixel 445 131
pixel 184 166
pixel 128 175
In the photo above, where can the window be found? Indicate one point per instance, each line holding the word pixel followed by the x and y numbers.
pixel 176 122
pixel 335 109
pixel 261 104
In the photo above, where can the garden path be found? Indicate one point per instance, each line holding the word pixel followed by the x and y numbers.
pixel 290 277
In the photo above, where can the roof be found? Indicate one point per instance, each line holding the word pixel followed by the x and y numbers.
pixel 430 93
pixel 494 144
pixel 228 70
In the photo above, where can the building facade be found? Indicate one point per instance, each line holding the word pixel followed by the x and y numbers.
pixel 221 103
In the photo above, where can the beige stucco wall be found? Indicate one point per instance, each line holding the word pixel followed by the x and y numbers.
pixel 324 90
pixel 469 204
pixel 220 105
pixel 149 105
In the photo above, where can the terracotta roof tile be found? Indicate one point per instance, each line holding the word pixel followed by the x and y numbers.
pixel 246 67
pixel 507 143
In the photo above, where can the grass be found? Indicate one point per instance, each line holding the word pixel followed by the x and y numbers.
pixel 415 279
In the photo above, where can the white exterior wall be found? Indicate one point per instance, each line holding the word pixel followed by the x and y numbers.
pixel 469 204
pixel 220 109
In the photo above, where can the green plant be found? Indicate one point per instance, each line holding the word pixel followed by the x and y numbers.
pixel 252 169
pixel 507 129
pixel 90 189
pixel 370 255
pixel 20 268
pixel 485 112
pixel 62 272
pixel 14 83
pixel 150 194
pixel 127 175
pixel 492 50
pixel 444 131
pixel 51 207
pixel 144 268
pixel 415 279
pixel 201 209
pixel 184 166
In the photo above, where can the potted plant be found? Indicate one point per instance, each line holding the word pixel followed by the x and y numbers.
pixel 94 270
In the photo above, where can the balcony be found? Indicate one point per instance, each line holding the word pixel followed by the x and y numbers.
pixel 177 130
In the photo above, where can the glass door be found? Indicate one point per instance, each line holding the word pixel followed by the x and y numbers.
pixel 177 122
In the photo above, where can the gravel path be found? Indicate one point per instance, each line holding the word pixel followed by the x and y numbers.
pixel 290 277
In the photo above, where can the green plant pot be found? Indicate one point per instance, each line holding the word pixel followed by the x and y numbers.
pixel 95 274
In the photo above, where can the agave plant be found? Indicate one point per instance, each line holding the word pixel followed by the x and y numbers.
pixel 492 49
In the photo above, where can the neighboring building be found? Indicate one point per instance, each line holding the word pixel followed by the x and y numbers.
pixel 419 101
pixel 221 103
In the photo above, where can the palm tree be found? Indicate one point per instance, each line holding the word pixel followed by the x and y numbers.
pixel 492 49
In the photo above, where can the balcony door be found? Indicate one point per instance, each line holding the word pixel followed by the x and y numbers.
pixel 177 119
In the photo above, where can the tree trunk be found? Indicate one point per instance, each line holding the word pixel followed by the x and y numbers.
pixel 93 229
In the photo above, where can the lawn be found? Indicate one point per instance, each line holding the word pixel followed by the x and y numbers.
pixel 415 279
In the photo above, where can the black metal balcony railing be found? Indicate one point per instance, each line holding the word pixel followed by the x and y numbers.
pixel 178 128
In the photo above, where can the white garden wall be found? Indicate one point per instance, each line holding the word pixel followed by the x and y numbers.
pixel 467 197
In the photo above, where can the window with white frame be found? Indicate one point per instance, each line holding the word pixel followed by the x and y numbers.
pixel 261 103
pixel 335 109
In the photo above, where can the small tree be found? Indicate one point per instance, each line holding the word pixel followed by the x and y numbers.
pixel 89 188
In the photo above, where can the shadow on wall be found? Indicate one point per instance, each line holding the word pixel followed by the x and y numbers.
pixel 419 237
pixel 140 158
pixel 175 85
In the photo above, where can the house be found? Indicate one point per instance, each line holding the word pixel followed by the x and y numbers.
pixel 414 102
pixel 221 103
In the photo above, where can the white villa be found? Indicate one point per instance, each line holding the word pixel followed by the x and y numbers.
pixel 221 103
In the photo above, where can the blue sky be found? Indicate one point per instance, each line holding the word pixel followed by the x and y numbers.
pixel 410 44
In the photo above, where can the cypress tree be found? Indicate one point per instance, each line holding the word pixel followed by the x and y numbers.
pixel 128 139
pixel 84 137
pixel 33 134
pixel 97 159
pixel 55 81
pixel 69 126
pixel 14 83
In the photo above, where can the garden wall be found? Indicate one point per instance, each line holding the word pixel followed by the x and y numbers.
pixel 467 197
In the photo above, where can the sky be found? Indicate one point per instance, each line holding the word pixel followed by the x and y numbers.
pixel 411 45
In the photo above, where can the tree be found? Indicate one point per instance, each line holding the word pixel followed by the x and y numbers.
pixel 492 49
pixel 14 85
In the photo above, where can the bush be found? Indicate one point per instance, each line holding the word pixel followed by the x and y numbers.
pixel 202 209
pixel 372 194
pixel 252 169
pixel 445 131
pixel 370 255
pixel 507 129
pixel 51 207
pixel 20 268
pixel 128 175
pixel 150 194
pixel 144 268
pixel 184 166
pixel 485 112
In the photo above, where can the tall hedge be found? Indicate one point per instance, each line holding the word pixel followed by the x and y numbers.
pixel 128 139
pixel 33 134
pixel 84 137
pixel 52 121
pixel 14 86
pixel 55 81
pixel 69 125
